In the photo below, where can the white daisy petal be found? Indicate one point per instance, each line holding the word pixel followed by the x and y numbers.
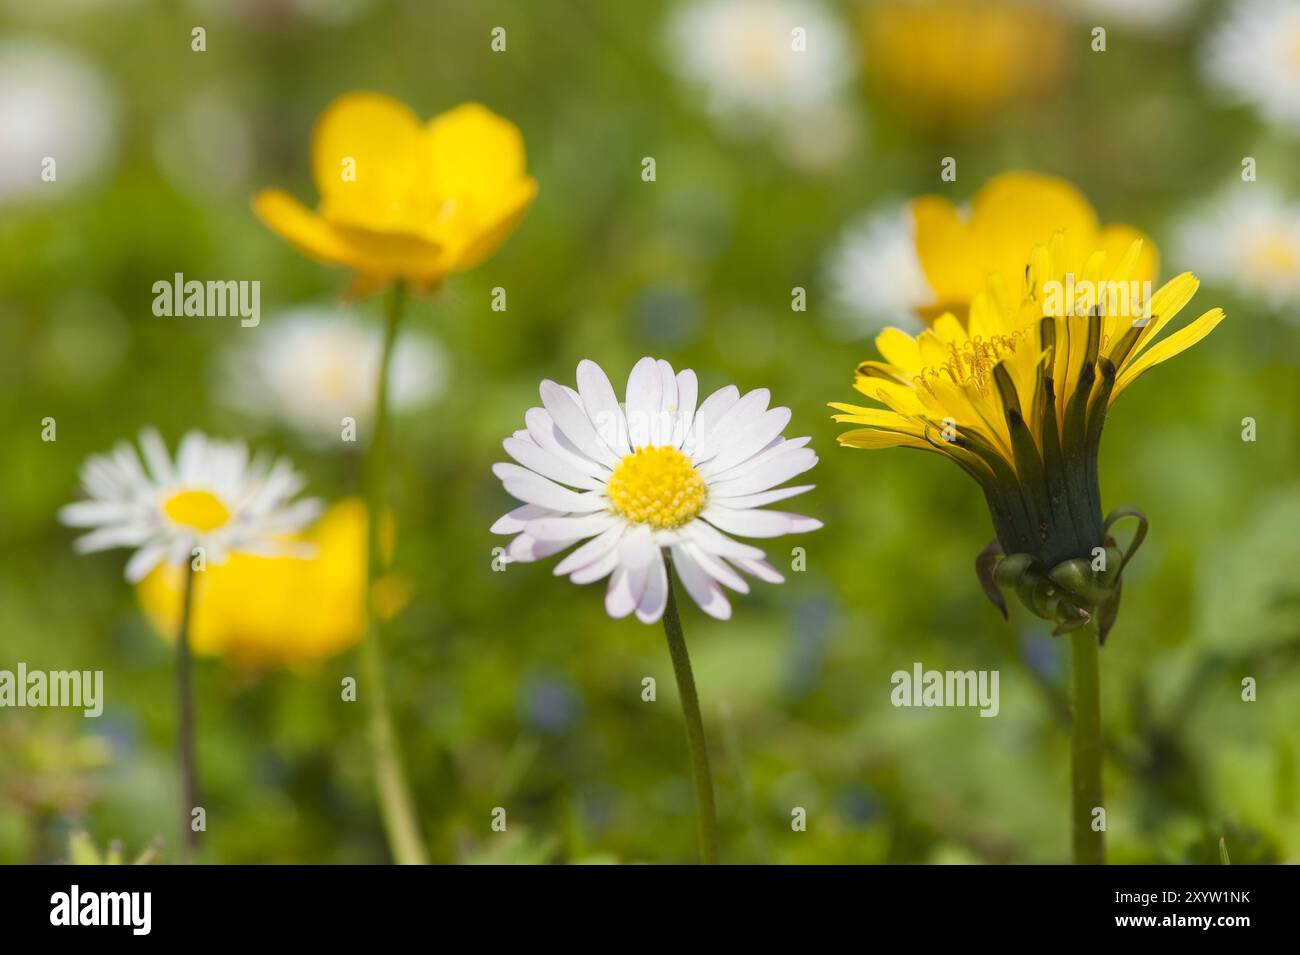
pixel 598 569
pixel 713 408
pixel 525 549
pixel 571 418
pixel 549 465
pixel 740 502
pixel 758 523
pixel 116 535
pixel 94 513
pixel 749 440
pixel 532 488
pixel 655 596
pixel 644 402
pixel 716 542
pixel 777 470
pixel 704 590
pixel 687 391
pixel 717 568
pixel 593 550
pixel 624 590
pixel 601 405
pixel 748 410
pixel 775 449
pixel 515 521
pixel 143 562
pixel 561 528
pixel 541 426
pixel 665 422
pixel 760 569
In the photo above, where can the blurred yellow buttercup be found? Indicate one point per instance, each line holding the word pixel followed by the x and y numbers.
pixel 1010 216
pixel 402 199
pixel 277 611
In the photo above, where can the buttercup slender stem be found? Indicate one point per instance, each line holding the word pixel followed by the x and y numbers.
pixel 1086 749
pixel 706 813
pixel 185 719
pixel 396 806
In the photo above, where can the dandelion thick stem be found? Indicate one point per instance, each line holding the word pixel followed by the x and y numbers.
pixel 395 803
pixel 185 719
pixel 1086 750
pixel 706 813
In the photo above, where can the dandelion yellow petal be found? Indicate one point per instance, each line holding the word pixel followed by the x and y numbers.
pixel 872 438
pixel 1179 341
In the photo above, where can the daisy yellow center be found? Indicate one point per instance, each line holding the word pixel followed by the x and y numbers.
pixel 972 362
pixel 657 486
pixel 201 510
pixel 1274 256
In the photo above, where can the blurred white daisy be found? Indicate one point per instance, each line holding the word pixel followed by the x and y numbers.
pixel 312 367
pixel 53 105
pixel 874 275
pixel 1247 238
pixel 654 473
pixel 1254 57
pixel 750 63
pixel 1143 15
pixel 213 497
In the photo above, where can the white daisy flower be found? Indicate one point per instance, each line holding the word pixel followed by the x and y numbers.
pixel 655 473
pixel 1247 238
pixel 1254 56
pixel 212 497
pixel 743 55
pixel 312 367
pixel 1149 15
pixel 54 105
pixel 875 276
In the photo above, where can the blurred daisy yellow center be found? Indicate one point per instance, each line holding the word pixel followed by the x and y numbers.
pixel 201 510
pixel 657 486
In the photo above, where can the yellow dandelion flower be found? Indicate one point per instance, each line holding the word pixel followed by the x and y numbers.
pixel 1010 215
pixel 401 199
pixel 1018 394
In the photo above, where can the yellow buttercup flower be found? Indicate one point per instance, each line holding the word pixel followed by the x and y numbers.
pixel 955 62
pixel 1010 215
pixel 1017 395
pixel 262 612
pixel 402 199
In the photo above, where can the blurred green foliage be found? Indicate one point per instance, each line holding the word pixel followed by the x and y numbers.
pixel 514 689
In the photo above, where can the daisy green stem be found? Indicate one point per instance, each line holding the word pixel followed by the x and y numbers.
pixel 395 803
pixel 185 718
pixel 706 813
pixel 1086 749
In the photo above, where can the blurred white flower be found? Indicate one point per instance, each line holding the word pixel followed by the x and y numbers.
pixel 312 367
pixel 1247 238
pixel 213 496
pixel 1254 57
pixel 750 61
pixel 208 145
pixel 874 274
pixel 53 104
pixel 1134 14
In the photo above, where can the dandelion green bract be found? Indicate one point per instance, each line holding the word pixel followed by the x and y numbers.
pixel 653 473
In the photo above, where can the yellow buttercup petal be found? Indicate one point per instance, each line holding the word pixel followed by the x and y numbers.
pixel 946 250
pixel 364 156
pixel 1179 341
pixel 374 254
